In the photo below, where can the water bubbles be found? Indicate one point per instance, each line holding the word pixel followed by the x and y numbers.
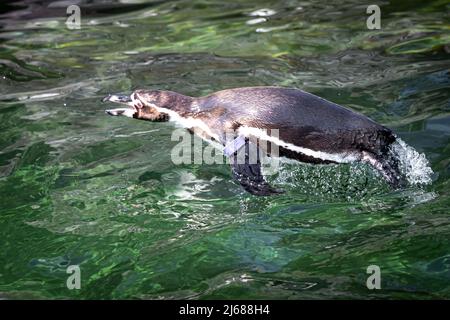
pixel 413 165
pixel 349 182
pixel 343 182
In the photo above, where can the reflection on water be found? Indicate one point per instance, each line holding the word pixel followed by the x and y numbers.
pixel 78 187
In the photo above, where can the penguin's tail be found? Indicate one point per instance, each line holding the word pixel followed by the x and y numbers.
pixel 385 161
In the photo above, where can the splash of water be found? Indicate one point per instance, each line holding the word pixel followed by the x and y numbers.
pixel 355 181
pixel 412 164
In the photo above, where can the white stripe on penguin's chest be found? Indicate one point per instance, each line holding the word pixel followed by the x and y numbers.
pixel 188 123
pixel 262 134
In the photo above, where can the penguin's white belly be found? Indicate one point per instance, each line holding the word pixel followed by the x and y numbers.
pixel 335 157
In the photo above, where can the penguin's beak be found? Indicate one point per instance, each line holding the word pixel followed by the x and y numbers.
pixel 129 110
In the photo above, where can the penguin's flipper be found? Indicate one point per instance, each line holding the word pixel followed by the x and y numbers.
pixel 247 171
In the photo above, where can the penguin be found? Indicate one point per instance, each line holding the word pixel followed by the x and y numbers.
pixel 310 129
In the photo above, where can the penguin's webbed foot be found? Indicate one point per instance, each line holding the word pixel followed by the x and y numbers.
pixel 249 174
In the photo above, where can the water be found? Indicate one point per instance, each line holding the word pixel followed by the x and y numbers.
pixel 80 188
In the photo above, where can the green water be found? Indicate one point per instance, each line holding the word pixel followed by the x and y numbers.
pixel 80 188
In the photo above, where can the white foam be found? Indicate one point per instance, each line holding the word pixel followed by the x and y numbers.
pixel 413 165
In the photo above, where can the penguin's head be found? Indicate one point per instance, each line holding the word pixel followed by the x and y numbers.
pixel 141 104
